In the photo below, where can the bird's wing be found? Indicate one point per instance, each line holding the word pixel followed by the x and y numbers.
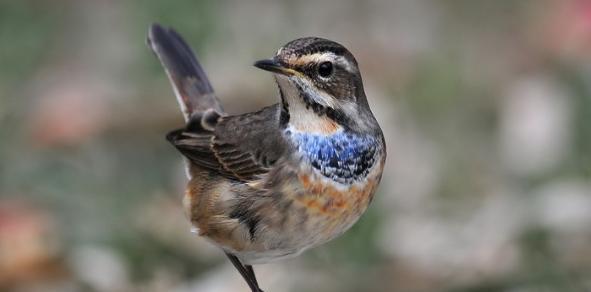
pixel 241 147
pixel 190 84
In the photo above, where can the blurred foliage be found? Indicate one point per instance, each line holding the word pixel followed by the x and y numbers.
pixel 84 108
pixel 24 39
pixel 196 19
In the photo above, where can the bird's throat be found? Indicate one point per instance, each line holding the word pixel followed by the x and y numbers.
pixel 304 116
pixel 307 121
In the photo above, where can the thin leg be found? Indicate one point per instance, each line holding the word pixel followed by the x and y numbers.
pixel 250 271
pixel 247 274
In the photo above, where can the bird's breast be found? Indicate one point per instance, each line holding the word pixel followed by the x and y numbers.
pixel 342 157
pixel 326 208
pixel 337 177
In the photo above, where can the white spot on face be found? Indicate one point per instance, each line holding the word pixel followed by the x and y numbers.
pixel 345 64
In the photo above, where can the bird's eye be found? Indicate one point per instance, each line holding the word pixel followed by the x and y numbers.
pixel 325 69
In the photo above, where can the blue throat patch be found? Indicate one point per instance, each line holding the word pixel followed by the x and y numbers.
pixel 343 157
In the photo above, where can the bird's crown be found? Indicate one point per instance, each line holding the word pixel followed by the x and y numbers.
pixel 313 49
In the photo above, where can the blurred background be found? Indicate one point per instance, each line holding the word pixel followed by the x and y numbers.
pixel 486 108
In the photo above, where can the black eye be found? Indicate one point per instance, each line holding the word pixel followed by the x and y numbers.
pixel 325 69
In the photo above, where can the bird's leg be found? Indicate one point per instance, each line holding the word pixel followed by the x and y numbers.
pixel 247 273
pixel 250 271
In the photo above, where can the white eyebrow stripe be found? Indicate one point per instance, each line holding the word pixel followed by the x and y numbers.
pixel 313 58
pixel 345 64
pixel 322 57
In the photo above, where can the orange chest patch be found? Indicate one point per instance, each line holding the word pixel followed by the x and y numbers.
pixel 324 126
pixel 321 196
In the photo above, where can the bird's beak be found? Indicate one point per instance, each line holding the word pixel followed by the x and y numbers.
pixel 272 65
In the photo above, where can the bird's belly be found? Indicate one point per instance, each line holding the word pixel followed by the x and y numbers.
pixel 302 207
pixel 319 211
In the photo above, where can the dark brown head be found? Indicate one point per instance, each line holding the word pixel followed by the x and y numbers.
pixel 322 76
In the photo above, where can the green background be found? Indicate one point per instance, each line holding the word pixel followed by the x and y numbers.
pixel 486 108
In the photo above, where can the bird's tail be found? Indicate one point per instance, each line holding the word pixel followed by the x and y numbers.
pixel 189 82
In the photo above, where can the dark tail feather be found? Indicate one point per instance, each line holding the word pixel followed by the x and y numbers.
pixel 190 84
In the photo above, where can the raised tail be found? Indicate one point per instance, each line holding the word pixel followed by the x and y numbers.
pixel 189 82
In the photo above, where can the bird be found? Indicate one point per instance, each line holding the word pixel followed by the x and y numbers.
pixel 270 184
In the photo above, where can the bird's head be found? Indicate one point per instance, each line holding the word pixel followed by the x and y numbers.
pixel 320 85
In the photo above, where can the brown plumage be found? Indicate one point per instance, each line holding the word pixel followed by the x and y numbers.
pixel 273 183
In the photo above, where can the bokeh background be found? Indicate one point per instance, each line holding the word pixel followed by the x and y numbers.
pixel 486 107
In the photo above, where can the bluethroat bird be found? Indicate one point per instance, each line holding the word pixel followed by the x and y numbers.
pixel 270 184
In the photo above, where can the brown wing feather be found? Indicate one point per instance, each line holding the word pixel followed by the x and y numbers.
pixel 232 146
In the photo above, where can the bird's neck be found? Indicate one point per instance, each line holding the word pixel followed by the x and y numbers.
pixel 305 120
pixel 304 116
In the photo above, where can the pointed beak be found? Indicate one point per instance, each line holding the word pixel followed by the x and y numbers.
pixel 272 65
